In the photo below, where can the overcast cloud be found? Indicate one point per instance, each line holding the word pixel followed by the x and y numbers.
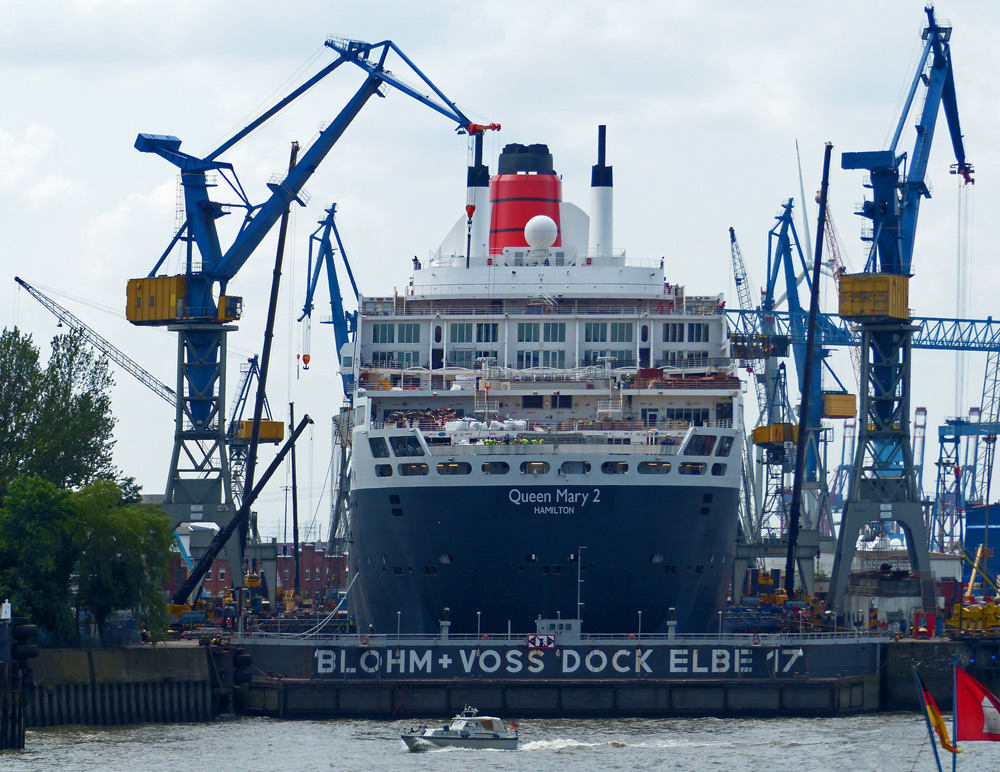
pixel 703 101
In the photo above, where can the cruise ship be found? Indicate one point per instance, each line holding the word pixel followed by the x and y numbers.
pixel 540 427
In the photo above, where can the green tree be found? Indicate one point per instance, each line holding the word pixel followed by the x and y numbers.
pixel 20 385
pixel 71 437
pixel 124 549
pixel 58 420
pixel 37 554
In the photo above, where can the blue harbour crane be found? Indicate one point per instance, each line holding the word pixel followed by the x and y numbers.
pixel 786 260
pixel 776 433
pixel 883 483
pixel 344 323
pixel 196 305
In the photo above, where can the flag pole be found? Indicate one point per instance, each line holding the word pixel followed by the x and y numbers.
pixel 930 729
pixel 954 709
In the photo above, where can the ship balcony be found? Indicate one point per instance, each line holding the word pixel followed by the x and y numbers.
pixel 486 407
pixel 609 407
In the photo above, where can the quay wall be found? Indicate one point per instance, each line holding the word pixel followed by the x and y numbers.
pixel 304 698
pixel 11 706
pixel 933 660
pixel 161 684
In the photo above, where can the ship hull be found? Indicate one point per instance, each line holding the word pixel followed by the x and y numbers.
pixel 494 558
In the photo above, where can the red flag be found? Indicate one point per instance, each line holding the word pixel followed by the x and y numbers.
pixel 978 709
pixel 935 718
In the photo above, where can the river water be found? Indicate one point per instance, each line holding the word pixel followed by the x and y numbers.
pixel 878 743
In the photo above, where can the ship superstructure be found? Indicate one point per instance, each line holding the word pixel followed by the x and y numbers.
pixel 541 427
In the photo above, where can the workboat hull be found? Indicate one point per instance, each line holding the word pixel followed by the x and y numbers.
pixel 494 558
pixel 425 742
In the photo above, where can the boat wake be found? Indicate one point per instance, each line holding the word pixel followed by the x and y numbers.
pixel 568 744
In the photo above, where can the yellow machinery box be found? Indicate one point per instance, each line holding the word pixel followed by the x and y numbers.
pixel 839 405
pixel 775 434
pixel 873 295
pixel 270 431
pixel 156 300
pixel 230 308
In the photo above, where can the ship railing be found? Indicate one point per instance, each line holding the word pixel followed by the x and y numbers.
pixel 571 427
pixel 742 640
pixel 374 309
pixel 379 375
pixel 554 447
pixel 557 257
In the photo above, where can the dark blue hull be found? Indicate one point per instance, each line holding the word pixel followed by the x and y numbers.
pixel 498 557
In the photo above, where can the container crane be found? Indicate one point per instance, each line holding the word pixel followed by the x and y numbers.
pixel 196 305
pixel 883 482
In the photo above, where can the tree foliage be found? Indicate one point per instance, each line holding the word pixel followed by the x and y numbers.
pixel 37 554
pixel 124 550
pixel 74 539
pixel 59 420
pixel 85 553
pixel 20 384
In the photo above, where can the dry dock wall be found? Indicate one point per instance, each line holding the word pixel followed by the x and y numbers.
pixel 120 686
pixel 304 698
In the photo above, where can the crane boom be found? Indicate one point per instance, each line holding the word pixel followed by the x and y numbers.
pixel 102 344
pixel 883 480
pixel 342 321
pixel 195 303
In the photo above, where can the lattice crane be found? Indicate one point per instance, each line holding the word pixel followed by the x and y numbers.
pixel 102 344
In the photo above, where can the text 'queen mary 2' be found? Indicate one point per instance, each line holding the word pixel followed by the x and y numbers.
pixel 541 427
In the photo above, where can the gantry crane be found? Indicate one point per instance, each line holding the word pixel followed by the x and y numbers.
pixel 883 482
pixel 196 305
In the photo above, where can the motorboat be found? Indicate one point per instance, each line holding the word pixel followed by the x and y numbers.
pixel 467 730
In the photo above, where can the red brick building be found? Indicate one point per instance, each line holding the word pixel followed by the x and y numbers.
pixel 316 571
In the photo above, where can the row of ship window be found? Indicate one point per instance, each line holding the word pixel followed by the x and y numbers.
pixel 540 332
pixel 527 359
pixel 543 467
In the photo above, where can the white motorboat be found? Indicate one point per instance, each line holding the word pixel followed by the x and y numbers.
pixel 467 730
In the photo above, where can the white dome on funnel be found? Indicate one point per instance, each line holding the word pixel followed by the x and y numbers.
pixel 541 232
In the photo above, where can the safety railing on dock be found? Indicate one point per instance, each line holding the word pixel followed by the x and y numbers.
pixel 648 639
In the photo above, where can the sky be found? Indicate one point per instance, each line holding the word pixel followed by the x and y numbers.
pixel 704 103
